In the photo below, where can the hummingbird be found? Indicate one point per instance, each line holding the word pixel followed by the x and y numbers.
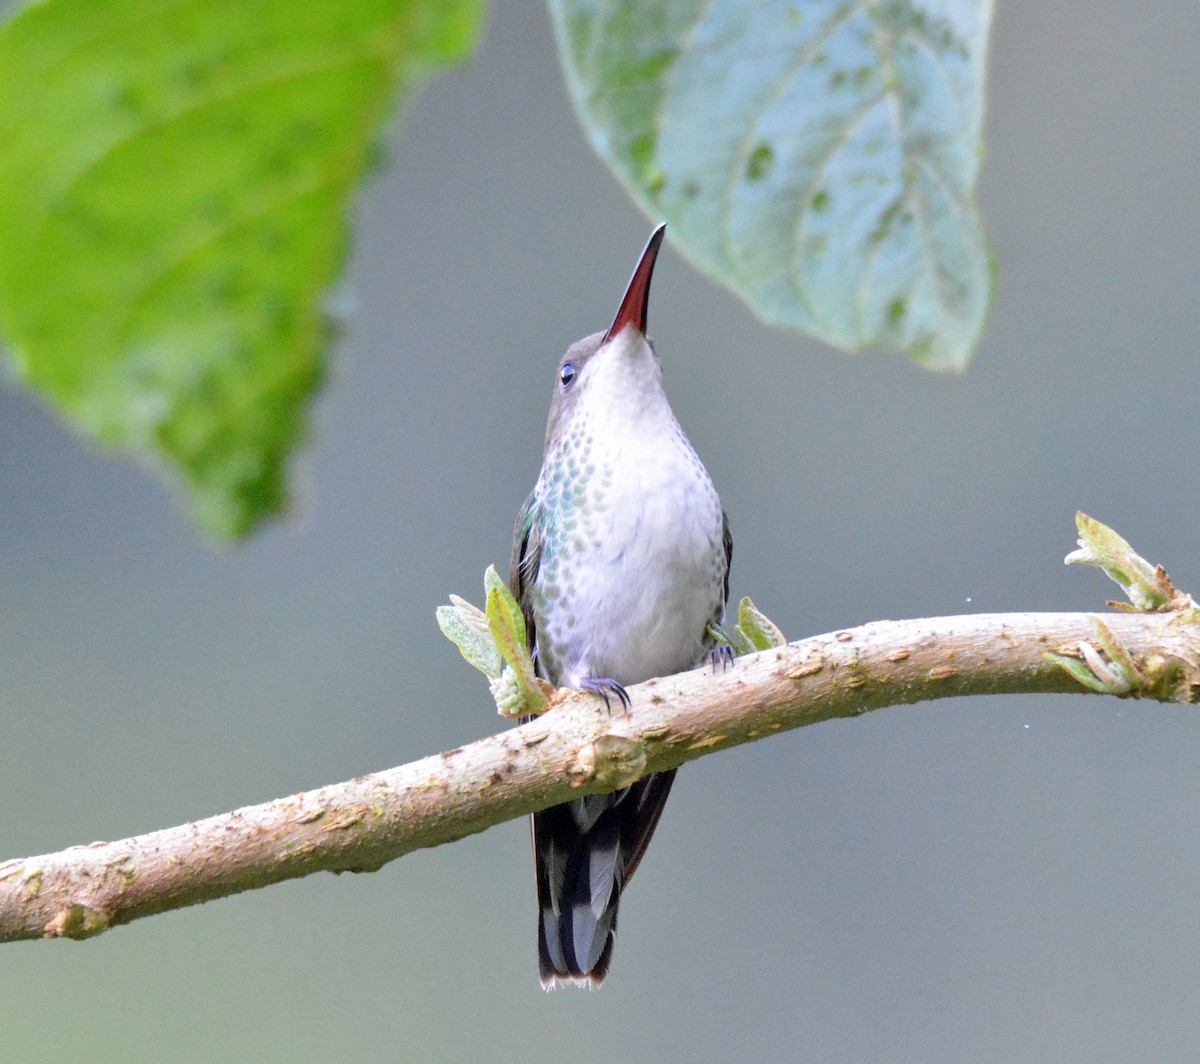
pixel 621 565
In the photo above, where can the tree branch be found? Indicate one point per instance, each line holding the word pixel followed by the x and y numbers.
pixel 577 748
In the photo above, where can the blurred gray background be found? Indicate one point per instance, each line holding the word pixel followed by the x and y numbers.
pixel 995 879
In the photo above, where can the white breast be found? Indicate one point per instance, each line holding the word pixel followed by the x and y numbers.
pixel 640 575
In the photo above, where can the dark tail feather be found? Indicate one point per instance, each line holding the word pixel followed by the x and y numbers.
pixel 585 852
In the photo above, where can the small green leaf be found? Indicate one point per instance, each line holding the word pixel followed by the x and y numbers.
pixel 1079 671
pixel 493 583
pixel 1122 668
pixel 817 159
pixel 467 628
pixel 175 183
pixel 731 636
pixel 760 631
pixel 508 630
pixel 1117 674
pixel 502 623
pixel 754 632
pixel 1148 587
pixel 495 643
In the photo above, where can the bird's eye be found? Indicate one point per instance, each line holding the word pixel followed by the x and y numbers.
pixel 566 374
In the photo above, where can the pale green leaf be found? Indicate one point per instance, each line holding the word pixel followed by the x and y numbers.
pixel 495 643
pixel 492 582
pixel 1079 671
pixel 740 641
pixel 731 636
pixel 817 157
pixel 175 182
pixel 508 630
pixel 759 630
pixel 1147 587
pixel 467 628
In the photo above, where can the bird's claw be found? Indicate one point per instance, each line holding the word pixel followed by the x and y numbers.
pixel 721 654
pixel 605 688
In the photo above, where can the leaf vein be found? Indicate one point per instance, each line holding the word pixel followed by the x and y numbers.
pixel 741 157
pixel 150 129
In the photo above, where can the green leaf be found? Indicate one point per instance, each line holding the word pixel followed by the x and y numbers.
pixel 514 618
pixel 740 641
pixel 175 181
pixel 817 158
pixel 508 629
pixel 753 632
pixel 1118 675
pixel 722 635
pixel 757 628
pixel 467 627
pixel 1079 671
pixel 1147 586
pixel 495 642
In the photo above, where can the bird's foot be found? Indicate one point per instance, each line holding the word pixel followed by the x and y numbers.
pixel 605 688
pixel 721 654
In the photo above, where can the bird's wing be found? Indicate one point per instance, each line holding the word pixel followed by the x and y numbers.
pixel 727 543
pixel 526 557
